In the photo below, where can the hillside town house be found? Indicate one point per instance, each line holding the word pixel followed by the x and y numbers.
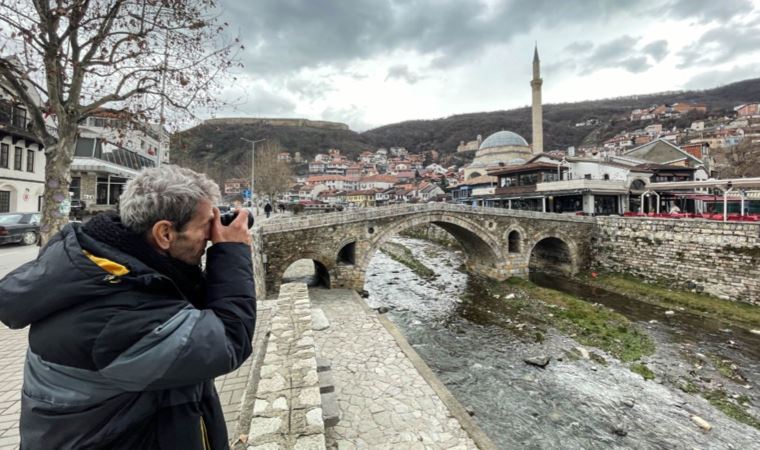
pixel 337 182
pixel 748 110
pixel 361 199
pixel 377 182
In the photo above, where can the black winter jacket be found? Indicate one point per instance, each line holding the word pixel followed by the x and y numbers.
pixel 117 358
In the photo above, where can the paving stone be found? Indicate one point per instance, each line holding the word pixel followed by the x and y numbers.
pixel 377 388
pixel 316 442
pixel 264 425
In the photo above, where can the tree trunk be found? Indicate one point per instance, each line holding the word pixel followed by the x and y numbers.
pixel 56 202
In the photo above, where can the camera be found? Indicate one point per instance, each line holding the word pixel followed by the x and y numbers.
pixel 229 216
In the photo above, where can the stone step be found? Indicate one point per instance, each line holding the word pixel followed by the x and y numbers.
pixel 330 412
pixel 326 382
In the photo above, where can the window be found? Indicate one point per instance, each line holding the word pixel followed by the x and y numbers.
pixel 109 189
pixel 84 147
pixel 5 201
pixel 4 150
pixel 30 160
pixel 75 187
pixel 587 176
pixel 18 157
pixel 19 118
pixel 606 176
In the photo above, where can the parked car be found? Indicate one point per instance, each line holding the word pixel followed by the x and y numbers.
pixel 19 227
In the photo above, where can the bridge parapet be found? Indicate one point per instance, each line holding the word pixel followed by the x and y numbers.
pixel 383 212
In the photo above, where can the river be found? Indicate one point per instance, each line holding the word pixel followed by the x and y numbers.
pixel 474 343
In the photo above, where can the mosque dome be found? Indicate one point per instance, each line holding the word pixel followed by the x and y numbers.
pixel 503 139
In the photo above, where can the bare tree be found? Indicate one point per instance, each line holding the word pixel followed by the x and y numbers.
pixel 742 160
pixel 146 58
pixel 272 176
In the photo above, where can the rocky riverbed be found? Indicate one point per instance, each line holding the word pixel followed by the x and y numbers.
pixel 488 342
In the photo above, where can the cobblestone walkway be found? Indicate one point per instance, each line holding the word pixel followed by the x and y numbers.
pixel 13 343
pixel 12 352
pixel 384 402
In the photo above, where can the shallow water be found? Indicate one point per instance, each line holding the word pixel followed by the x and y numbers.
pixel 470 340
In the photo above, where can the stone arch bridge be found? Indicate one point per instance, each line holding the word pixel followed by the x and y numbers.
pixel 497 243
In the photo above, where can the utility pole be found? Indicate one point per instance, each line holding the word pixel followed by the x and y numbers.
pixel 253 163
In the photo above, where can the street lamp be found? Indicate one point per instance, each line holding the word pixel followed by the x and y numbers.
pixel 253 162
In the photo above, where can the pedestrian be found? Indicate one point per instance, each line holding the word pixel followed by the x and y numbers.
pixel 127 333
pixel 268 209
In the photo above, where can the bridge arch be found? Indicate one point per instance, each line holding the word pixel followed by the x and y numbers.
pixel 346 253
pixel 553 252
pixel 480 247
pixel 322 268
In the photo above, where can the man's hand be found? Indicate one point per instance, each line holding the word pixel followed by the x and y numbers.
pixel 237 231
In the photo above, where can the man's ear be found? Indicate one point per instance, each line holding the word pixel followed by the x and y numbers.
pixel 163 234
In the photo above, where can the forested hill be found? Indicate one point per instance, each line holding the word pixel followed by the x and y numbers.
pixel 219 142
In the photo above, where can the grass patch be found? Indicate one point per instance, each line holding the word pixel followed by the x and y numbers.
pixel 689 387
pixel 642 370
pixel 720 400
pixel 591 325
pixel 733 408
pixel 726 368
pixel 403 255
pixel 662 295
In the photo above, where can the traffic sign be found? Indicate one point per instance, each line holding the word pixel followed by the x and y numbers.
pixel 246 193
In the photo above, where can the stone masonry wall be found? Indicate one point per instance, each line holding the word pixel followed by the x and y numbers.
pixel 259 270
pixel 287 412
pixel 720 258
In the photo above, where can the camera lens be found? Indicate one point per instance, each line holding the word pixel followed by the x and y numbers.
pixel 229 216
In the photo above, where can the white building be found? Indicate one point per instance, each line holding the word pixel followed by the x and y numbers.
pixel 111 149
pixel 22 161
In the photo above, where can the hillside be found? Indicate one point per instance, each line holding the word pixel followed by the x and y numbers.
pixel 217 142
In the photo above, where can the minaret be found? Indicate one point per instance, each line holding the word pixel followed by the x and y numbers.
pixel 535 84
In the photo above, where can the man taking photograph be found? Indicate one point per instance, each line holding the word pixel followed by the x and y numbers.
pixel 126 331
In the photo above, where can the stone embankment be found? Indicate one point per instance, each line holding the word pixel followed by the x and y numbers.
pixel 715 257
pixel 287 411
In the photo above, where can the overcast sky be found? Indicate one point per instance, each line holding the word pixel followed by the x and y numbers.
pixel 373 62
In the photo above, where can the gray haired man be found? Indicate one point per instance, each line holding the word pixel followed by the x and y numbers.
pixel 126 331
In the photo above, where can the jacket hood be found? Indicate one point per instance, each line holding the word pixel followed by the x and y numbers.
pixel 71 269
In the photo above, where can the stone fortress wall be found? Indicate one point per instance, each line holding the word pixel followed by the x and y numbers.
pixel 722 259
pixel 277 122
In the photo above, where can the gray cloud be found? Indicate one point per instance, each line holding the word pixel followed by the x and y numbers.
pixel 658 50
pixel 713 78
pixel 308 89
pixel 624 52
pixel 719 45
pixel 706 11
pixel 402 72
pixel 260 102
pixel 579 47
pixel 353 116
pixel 287 35
pixel 617 53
